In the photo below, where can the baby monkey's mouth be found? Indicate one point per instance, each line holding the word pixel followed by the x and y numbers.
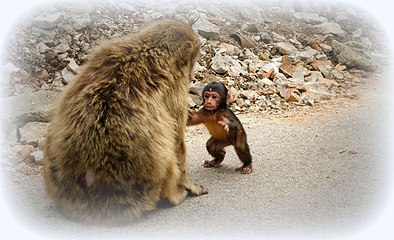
pixel 209 108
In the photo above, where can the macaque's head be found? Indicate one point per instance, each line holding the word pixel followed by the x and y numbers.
pixel 214 96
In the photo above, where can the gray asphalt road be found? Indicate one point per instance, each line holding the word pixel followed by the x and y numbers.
pixel 319 175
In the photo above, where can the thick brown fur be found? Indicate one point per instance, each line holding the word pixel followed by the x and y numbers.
pixel 115 145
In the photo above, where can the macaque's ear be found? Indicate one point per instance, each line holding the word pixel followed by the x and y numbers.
pixel 230 98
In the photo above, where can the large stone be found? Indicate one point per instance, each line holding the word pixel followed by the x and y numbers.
pixel 265 82
pixel 81 21
pixel 37 156
pixel 292 95
pixel 287 67
pixel 230 49
pixel 62 48
pixel 223 64
pixel 275 99
pixel 196 88
pixel 307 55
pixel 298 76
pixel 280 79
pixel 191 102
pixel 211 35
pixel 269 66
pixel 351 57
pixel 206 29
pixel 318 91
pixel 311 18
pixel 307 99
pixel 286 48
pixel 68 76
pixel 326 48
pixel 26 151
pixel 315 75
pixel 254 64
pixel 265 37
pixel 249 95
pixel 42 48
pixel 32 133
pixel 72 65
pixel 251 28
pixel 236 68
pixel 322 66
pixel 219 64
pixel 278 37
pixel 47 21
pixel 330 28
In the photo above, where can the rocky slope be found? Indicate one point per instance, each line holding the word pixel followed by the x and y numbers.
pixel 274 56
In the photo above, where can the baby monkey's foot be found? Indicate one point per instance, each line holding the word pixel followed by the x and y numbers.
pixel 245 169
pixel 213 163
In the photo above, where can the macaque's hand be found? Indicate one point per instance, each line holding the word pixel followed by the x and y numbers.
pixel 191 113
pixel 193 118
pixel 224 123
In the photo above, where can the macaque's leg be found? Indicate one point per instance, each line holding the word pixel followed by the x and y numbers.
pixel 192 189
pixel 216 149
pixel 171 190
pixel 242 149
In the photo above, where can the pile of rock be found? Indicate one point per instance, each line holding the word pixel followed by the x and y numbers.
pixel 286 58
pixel 271 55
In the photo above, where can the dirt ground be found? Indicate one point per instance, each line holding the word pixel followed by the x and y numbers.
pixel 321 173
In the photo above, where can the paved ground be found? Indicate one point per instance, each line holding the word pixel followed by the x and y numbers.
pixel 320 175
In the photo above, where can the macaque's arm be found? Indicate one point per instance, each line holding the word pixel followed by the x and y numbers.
pixel 224 122
pixel 194 118
pixel 228 121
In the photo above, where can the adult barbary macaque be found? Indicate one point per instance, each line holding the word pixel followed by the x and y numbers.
pixel 224 127
pixel 115 146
